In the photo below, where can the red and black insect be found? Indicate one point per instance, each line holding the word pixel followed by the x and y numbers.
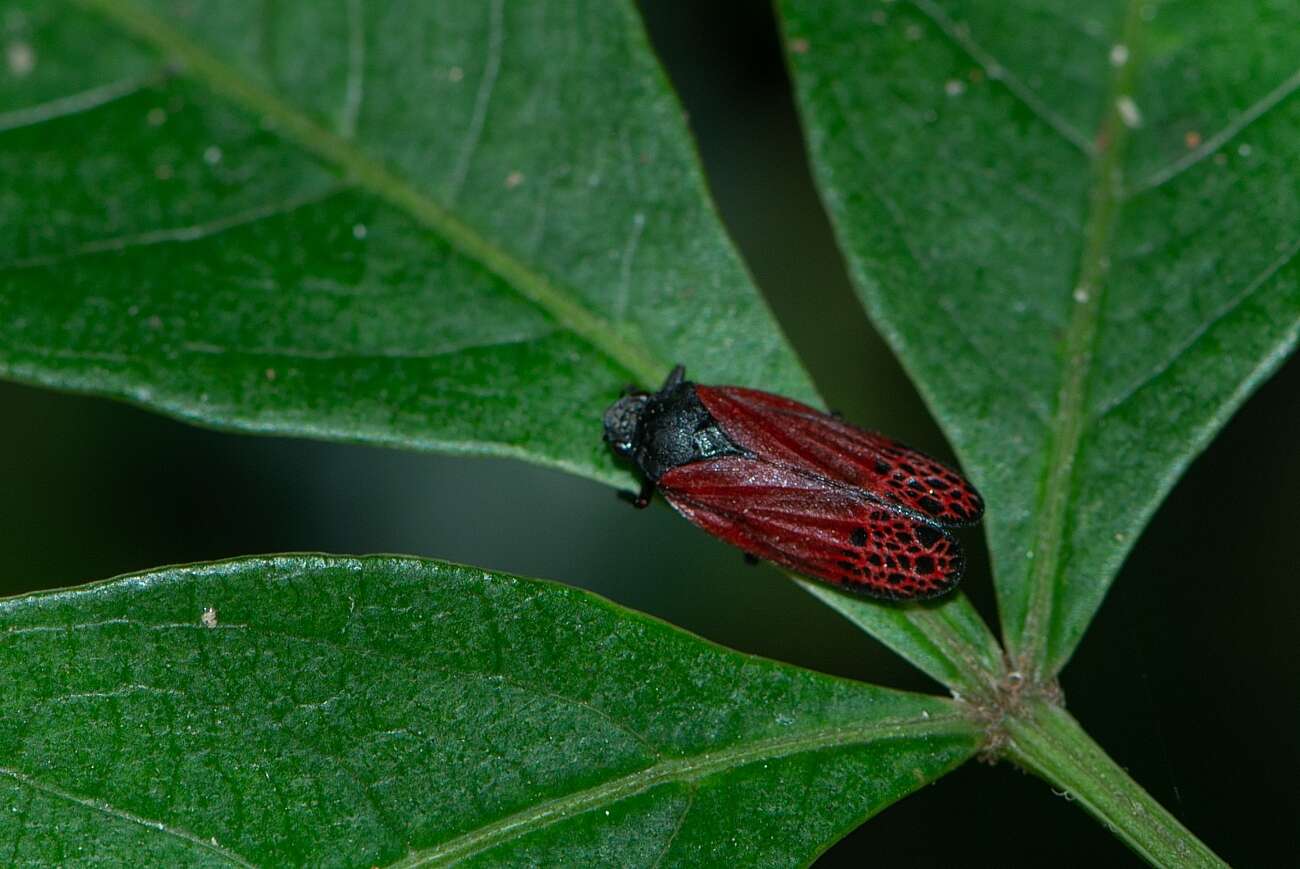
pixel 790 484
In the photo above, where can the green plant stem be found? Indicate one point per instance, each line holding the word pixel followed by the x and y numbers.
pixel 1048 742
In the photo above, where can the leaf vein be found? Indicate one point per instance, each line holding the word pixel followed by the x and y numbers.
pixel 686 769
pixel 175 234
pixel 371 175
pixel 122 815
pixel 1225 310
pixel 486 85
pixel 74 104
pixel 1056 492
pixel 1219 140
pixel 677 828
pixel 999 72
pixel 421 661
pixel 354 90
pixel 896 220
pixel 422 355
pixel 625 266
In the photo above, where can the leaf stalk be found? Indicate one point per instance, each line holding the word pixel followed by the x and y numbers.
pixel 1042 738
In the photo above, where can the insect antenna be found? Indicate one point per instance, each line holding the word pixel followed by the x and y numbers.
pixel 675 378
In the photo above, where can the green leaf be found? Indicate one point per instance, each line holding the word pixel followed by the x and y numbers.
pixel 234 237
pixel 365 711
pixel 1044 739
pixel 443 226
pixel 1077 227
pixel 947 640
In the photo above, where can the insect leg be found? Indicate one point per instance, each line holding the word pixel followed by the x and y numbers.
pixel 640 499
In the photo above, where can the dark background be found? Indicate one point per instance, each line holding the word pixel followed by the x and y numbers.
pixel 1188 677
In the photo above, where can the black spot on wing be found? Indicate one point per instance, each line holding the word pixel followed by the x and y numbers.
pixel 928 535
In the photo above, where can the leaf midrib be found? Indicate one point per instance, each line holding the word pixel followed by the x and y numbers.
pixel 685 769
pixel 377 179
pixel 1029 647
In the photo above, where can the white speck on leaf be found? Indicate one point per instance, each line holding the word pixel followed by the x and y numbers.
pixel 209 617
pixel 1129 112
pixel 1243 150
pixel 212 155
pixel 954 87
pixel 359 231
pixel 1081 295
pixel 1118 54
pixel 455 74
pixel 21 58
pixel 514 179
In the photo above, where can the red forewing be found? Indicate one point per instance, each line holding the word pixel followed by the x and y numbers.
pixel 785 432
pixel 816 527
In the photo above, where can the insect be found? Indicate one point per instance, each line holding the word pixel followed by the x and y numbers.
pixel 804 489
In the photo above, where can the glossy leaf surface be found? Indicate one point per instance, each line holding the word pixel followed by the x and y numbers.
pixel 461 228
pixel 370 711
pixel 442 225
pixel 1076 224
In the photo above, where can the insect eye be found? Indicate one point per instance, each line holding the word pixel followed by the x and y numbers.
pixel 621 421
